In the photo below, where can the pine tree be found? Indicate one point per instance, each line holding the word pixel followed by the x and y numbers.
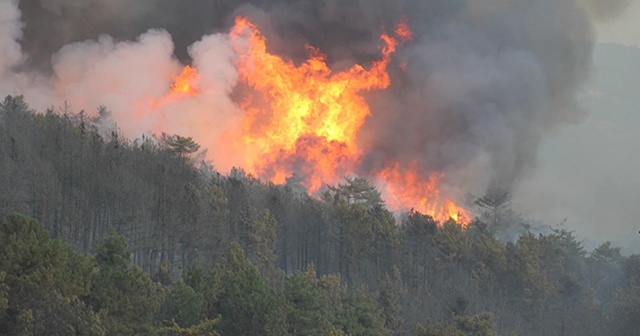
pixel 123 295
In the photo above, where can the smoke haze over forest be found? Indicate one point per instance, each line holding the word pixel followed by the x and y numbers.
pixel 473 95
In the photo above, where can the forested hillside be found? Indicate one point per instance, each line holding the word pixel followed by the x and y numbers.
pixel 104 235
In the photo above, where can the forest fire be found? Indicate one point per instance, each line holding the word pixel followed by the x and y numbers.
pixel 184 85
pixel 407 186
pixel 308 116
pixel 186 82
pixel 305 119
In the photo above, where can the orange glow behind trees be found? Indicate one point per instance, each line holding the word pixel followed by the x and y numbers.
pixel 404 186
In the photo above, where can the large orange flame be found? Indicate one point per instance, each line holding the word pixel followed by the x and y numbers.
pixel 305 118
pixel 308 117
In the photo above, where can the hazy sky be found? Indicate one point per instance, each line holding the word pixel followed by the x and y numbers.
pixel 625 29
pixel 589 174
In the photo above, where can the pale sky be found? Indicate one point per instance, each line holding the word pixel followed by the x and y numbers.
pixel 625 29
pixel 588 176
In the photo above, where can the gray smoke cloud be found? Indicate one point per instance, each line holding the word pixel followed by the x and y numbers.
pixel 483 87
pixel 10 34
pixel 473 95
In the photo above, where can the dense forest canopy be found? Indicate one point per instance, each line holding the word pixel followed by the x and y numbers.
pixel 104 235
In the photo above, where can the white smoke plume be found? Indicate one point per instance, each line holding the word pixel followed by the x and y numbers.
pixel 131 78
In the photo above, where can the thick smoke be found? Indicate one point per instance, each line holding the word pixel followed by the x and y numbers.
pixel 131 79
pixel 10 34
pixel 483 87
pixel 473 95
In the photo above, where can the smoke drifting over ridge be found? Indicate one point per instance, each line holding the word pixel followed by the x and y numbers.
pixel 472 95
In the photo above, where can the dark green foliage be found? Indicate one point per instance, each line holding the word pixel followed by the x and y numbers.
pixel 204 328
pixel 123 295
pixel 604 271
pixel 391 293
pixel 42 283
pixel 310 310
pixel 4 293
pixel 261 244
pixel 359 315
pixel 252 306
pixel 182 146
pixel 206 282
pixel 358 190
pixel 183 305
pixel 475 325
pixel 625 310
pixel 452 242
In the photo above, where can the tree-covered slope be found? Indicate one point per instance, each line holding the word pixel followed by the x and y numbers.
pixel 148 239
